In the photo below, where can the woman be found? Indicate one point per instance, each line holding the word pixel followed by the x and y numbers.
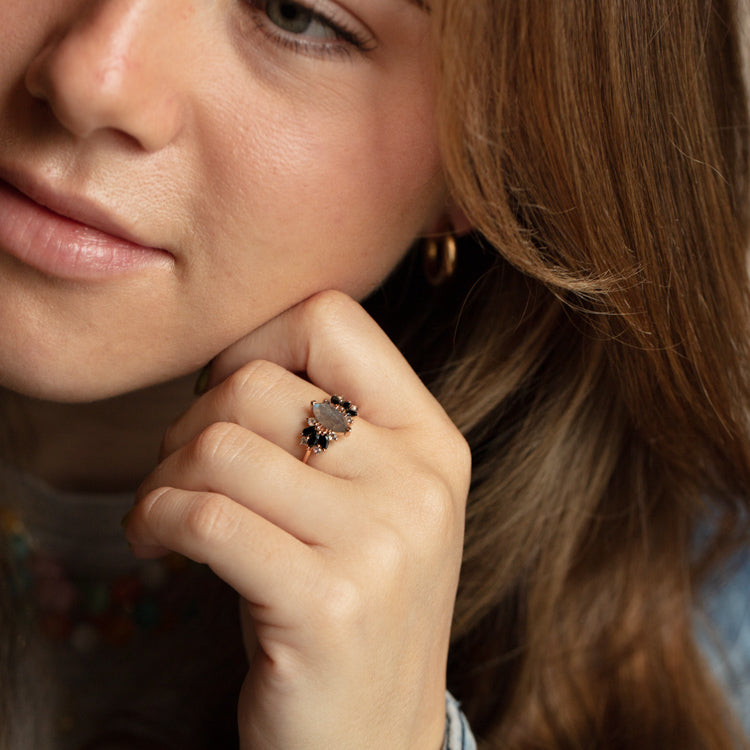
pixel 222 166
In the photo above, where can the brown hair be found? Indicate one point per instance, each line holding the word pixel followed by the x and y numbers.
pixel 599 367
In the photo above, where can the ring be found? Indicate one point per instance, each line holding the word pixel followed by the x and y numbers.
pixel 331 419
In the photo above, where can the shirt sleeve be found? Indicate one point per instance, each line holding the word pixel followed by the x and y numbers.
pixel 458 736
pixel 723 633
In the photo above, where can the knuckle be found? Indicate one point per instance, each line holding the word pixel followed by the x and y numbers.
pixel 215 444
pixel 463 460
pixel 387 554
pixel 328 306
pixel 151 507
pixel 254 380
pixel 208 519
pixel 455 460
pixel 433 506
pixel 455 446
pixel 343 605
pixel 287 663
pixel 328 318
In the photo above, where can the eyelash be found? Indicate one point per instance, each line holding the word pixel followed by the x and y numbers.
pixel 347 40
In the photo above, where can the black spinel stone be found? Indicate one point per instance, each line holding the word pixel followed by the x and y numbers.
pixel 335 400
pixel 352 411
pixel 323 441
pixel 308 431
pixel 312 440
pixel 345 404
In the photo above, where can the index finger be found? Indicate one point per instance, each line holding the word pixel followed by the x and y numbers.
pixel 342 351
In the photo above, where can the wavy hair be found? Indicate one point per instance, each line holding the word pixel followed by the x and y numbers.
pixel 593 348
pixel 599 365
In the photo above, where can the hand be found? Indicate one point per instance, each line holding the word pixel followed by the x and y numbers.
pixel 347 566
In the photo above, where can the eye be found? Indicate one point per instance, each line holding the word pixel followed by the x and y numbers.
pixel 316 28
pixel 294 18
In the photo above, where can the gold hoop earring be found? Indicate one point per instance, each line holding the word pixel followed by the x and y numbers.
pixel 439 259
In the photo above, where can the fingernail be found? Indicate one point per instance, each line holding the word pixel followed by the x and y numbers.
pixel 204 376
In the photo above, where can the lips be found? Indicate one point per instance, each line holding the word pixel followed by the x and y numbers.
pixel 69 237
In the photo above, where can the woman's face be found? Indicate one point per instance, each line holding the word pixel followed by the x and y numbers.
pixel 221 160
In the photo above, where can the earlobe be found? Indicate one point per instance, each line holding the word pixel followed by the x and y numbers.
pixel 452 220
pixel 458 221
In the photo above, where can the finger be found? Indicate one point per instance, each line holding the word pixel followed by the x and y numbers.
pixel 342 350
pixel 276 405
pixel 263 563
pixel 228 460
pixel 261 396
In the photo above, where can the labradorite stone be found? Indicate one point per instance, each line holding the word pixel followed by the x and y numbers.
pixel 329 417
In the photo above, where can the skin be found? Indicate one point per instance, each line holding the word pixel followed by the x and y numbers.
pixel 270 173
pixel 207 156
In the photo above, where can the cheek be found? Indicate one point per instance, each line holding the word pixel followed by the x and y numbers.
pixel 22 31
pixel 343 188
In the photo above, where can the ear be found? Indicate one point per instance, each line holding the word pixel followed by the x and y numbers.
pixel 452 220
pixel 457 219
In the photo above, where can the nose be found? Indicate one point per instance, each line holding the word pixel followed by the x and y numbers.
pixel 109 69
